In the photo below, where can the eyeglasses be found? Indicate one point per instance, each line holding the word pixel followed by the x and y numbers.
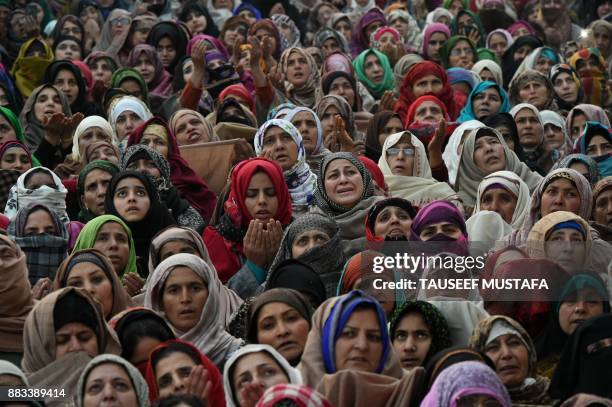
pixel 393 151
pixel 457 52
pixel 120 21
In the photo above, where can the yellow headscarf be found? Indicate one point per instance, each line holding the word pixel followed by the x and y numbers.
pixel 30 71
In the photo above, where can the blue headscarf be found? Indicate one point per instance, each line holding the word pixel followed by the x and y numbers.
pixel 467 113
pixel 336 321
pixel 250 7
pixel 592 129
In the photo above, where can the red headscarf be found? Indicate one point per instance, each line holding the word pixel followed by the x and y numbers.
pixel 86 72
pixel 192 187
pixel 453 101
pixel 425 98
pixel 241 92
pixel 375 172
pixel 217 396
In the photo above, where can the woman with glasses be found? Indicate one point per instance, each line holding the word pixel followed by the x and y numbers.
pixel 114 35
pixel 459 52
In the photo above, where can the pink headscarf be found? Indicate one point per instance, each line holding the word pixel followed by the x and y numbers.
pixel 430 30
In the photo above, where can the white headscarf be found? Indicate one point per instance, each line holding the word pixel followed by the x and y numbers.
pixel 209 334
pixel 130 103
pixel 513 183
pixel 420 188
pixel 20 196
pixel 87 123
pixel 516 109
pixel 294 375
pixel 485 229
pixel 432 16
pixel 451 155
pixel 493 67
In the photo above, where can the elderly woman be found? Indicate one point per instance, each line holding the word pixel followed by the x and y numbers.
pixel 486 99
pixel 532 87
pixel 602 209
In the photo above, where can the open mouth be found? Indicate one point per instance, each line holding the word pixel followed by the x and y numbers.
pixel 194 136
pixel 396 232
pixel 509 369
pixel 344 190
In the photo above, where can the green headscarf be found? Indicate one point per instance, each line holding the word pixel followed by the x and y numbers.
pixel 84 214
pixel 486 54
pixel 387 83
pixel 14 122
pixel 447 4
pixel 128 73
pixel 450 44
pixel 88 235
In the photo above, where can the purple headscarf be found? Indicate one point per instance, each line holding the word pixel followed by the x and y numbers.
pixel 503 32
pixel 435 212
pixel 360 41
pixel 218 45
pixel 430 30
pixel 521 24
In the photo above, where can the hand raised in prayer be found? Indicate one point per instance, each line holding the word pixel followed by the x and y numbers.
pixel 277 78
pixel 387 101
pixel 254 243
pixel 60 127
pixel 268 51
pixel 133 284
pixel 474 36
pixel 256 51
pixel 251 393
pixel 198 383
pixel 275 234
pixel 98 90
pixel 346 143
pixel 41 288
pixel 434 148
pixel 198 56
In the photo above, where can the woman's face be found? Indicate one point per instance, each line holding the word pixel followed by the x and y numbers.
pixel 486 103
pixel 578 122
pixel 101 71
pixel 553 137
pixel 146 166
pixel 94 280
pixel 394 125
pixel 261 200
pixel 92 135
pixel 412 340
pixel 534 93
pixel 187 70
pixel 344 27
pixel 73 30
pixel 581 168
pixel 173 247
pixel 330 46
pixel 132 87
pixel 109 383
pixel 104 153
pixel 114 242
pixel 455 7
pixel 544 65
pixel 499 200
pixel 298 70
pixel 522 52
pixel 486 75
pixel 172 373
pixel 343 88
pixel 428 84
pixel 565 87
pixel 462 55
pixel 284 328
pixel 603 208
pixel 308 240
pixel 66 82
pixel 498 44
pixel 400 158
pixel 530 129
pixel 7 133
pixel 368 30
pixel 119 26
pixel 401 26
pixel 507 135
pixel 68 49
pixel 139 33
pixel 599 146
pixel 132 200
pixel 184 296
pixel 75 337
pixel 37 179
pixel 511 359
pixel 47 103
pixel 89 12
pixel 373 69
pixel 436 42
pixel 387 39
pixel 96 185
pixel 324 14
pixel 580 306
pixel 560 195
pixel 489 154
pixel 196 22
pixel 146 68
pixel 429 112
pixel 262 34
pixel 448 229
pixel 189 129
pixel 566 247
pixel 248 15
pixel 393 222
pixel 15 158
pixel 305 122
pixel 328 119
pixel 126 122
pixel 259 368
pixel 156 142
pixel 360 344
pixel 166 51
pixel 280 147
pixel 39 222
pixel 343 183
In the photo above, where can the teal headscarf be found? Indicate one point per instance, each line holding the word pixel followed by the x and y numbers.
pixel 14 122
pixel 87 239
pixel 84 214
pixel 387 83
pixel 467 113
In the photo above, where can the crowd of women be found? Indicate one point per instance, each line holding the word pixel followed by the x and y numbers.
pixel 349 130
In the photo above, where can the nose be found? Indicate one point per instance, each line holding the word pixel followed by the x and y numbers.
pixel 282 329
pixel 108 392
pixel 505 352
pixel 131 196
pixel 74 345
pixel 394 220
pixel 178 385
pixel 495 205
pixel 89 287
pixel 361 342
pixel 112 244
pixel 185 297
pixel 409 345
pixel 580 307
pixel 261 198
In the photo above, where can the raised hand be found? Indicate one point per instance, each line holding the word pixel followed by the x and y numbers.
pixel 275 234
pixel 254 243
pixel 434 148
pixel 133 284
pixel 256 51
pixel 344 139
pixel 41 288
pixel 198 383
pixel 387 100
pixel 251 393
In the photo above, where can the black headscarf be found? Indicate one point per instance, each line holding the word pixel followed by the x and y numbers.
pixel 155 220
pixel 80 104
pixel 177 35
pixel 375 127
pixel 194 6
pixel 68 37
pixel 506 119
pixel 299 276
pixel 508 64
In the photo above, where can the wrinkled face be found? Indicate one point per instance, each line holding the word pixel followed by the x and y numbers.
pixel 94 280
pixel 578 307
pixel 553 137
pixel 401 158
pixel 599 146
pixel 499 200
pixel 261 200
pixel 428 84
pixel 342 87
pixel 412 340
pixel 281 147
pixel 565 87
pixel 530 129
pixel 15 158
pixel 68 49
pixel 131 200
pixel 560 195
pixel 308 240
pixel 511 359
pixel 567 248
pixel 113 240
pixel 578 122
pixel 428 112
pixel 172 372
pixel 184 296
pixel 75 337
pixel 146 68
pixel 298 70
pixel 166 51
pixel 101 71
pixel 256 367
pixel 284 328
pixel 393 222
pixel 189 129
pixel 126 122
pixel 360 344
pixel 498 44
pixel 394 125
pixel 534 93
pixel 436 42
pixel 156 142
pixel 603 208
pixel 104 153
pixel 48 102
pixel 39 222
pixel 305 122
pixel 343 183
pixel 462 55
pixel 92 135
pixel 109 383
pixel 486 103
pixel 489 154
pixel 96 185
